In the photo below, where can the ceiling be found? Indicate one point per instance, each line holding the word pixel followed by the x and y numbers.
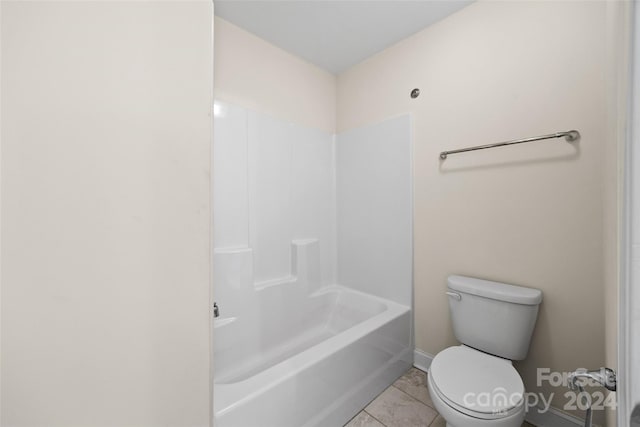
pixel 334 34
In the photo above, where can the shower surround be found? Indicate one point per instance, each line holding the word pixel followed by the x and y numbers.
pixel 312 268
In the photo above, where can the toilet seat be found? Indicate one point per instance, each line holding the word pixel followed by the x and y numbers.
pixel 477 384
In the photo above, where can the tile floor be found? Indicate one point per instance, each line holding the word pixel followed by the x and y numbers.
pixel 406 403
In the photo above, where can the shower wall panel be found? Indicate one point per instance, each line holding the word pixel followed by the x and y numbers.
pixel 273 184
pixel 230 183
pixel 374 209
pixel 278 184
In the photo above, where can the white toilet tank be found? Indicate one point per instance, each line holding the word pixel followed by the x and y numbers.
pixel 493 317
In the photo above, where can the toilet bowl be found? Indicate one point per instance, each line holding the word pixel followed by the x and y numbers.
pixel 470 388
pixel 475 384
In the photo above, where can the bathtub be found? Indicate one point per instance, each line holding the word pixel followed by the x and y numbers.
pixel 315 362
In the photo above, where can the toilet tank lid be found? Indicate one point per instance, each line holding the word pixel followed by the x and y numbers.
pixel 495 290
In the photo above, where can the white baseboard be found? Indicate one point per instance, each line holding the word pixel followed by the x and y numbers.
pixel 422 360
pixel 552 418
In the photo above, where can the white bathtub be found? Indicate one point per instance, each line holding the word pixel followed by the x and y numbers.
pixel 313 363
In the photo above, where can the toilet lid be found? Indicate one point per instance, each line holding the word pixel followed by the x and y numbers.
pixel 476 381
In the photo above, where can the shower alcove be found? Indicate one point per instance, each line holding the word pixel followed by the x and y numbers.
pixel 312 268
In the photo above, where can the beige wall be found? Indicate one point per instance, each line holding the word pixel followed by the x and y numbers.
pixel 531 214
pixel 255 74
pixel 105 213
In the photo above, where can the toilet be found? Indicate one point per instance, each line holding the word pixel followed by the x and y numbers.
pixel 475 384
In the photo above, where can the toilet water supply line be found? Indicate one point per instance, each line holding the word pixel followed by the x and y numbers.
pixel 575 384
pixel 605 377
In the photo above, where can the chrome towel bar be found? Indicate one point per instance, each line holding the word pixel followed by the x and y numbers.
pixel 569 136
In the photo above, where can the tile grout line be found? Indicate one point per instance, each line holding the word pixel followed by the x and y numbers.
pixel 426 386
pixel 407 394
pixel 416 399
pixel 419 401
pixel 366 412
